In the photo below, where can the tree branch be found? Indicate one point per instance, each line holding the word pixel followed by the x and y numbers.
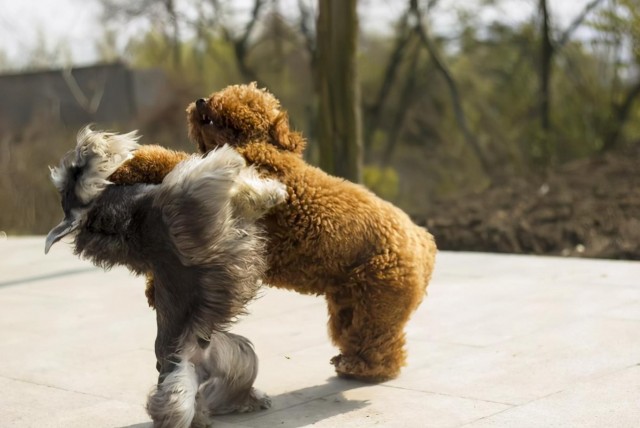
pixel 89 105
pixel 442 67
pixel 546 60
pixel 404 105
pixel 391 71
pixel 241 44
pixel 306 20
pixel 577 22
pixel 257 6
pixel 175 41
pixel 621 115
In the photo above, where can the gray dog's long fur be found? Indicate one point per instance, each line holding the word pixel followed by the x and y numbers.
pixel 196 233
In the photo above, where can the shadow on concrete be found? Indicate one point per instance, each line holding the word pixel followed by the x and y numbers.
pixel 47 276
pixel 294 409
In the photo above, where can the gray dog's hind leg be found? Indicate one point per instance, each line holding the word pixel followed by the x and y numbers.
pixel 227 369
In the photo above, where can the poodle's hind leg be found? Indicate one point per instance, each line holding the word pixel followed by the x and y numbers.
pixel 371 350
pixel 366 321
pixel 253 196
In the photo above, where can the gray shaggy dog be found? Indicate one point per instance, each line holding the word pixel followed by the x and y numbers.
pixel 196 233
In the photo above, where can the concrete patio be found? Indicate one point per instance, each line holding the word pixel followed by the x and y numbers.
pixel 501 341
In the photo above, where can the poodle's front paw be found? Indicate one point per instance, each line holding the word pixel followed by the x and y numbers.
pixel 341 364
pixel 353 367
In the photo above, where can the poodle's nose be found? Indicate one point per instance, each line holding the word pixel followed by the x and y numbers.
pixel 201 103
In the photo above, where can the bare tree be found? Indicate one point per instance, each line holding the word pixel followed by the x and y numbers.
pixel 404 106
pixel 546 53
pixel 210 19
pixel 443 68
pixel 309 33
pixel 376 109
pixel 548 49
pixel 620 115
pixel 240 42
pixel 339 96
pixel 170 9
pixel 160 10
pixel 90 103
pixel 622 104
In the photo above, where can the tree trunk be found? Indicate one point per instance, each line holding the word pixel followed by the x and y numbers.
pixel 620 116
pixel 546 57
pixel 175 37
pixel 339 133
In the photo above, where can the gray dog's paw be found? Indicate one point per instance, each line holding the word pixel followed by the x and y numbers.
pixel 258 400
pixel 279 193
pixel 263 399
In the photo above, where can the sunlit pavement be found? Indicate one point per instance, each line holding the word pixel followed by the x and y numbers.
pixel 501 341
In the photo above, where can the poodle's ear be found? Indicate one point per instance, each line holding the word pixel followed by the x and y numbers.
pixel 285 138
pixel 193 128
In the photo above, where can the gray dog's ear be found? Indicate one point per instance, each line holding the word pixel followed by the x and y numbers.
pixel 67 225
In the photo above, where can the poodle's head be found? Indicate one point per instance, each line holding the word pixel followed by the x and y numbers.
pixel 239 115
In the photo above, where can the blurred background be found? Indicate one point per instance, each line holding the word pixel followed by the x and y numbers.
pixel 502 125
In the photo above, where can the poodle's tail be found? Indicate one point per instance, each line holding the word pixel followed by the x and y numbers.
pixel 432 250
pixel 427 243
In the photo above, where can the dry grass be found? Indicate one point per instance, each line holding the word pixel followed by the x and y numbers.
pixel 29 202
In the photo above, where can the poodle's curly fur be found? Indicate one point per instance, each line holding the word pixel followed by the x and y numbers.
pixel 332 237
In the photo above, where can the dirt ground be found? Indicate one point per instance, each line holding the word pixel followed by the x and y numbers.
pixel 586 208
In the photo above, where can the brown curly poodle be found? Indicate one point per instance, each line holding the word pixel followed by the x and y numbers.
pixel 331 237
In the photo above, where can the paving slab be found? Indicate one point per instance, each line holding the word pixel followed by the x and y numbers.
pixel 607 401
pixel 500 341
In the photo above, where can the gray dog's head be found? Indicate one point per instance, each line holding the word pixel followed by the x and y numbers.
pixel 82 175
